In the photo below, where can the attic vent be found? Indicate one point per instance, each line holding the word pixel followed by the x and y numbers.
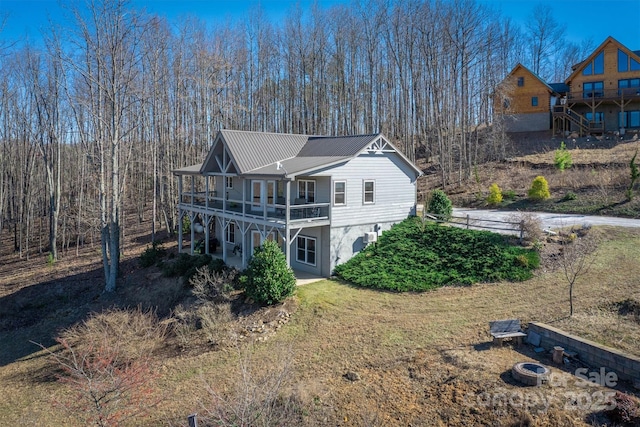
pixel 370 237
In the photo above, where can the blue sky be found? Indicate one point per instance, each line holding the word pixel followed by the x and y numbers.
pixel 582 19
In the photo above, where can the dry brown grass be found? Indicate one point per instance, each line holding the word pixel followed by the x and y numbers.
pixel 136 333
pixel 420 355
pixel 599 177
pixel 423 359
pixel 620 154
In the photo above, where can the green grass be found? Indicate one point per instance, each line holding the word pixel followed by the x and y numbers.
pixel 417 256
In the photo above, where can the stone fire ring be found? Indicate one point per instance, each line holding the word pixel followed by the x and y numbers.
pixel 530 373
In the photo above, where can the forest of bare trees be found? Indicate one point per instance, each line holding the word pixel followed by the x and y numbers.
pixel 96 116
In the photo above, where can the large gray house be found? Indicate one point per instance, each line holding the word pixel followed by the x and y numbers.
pixel 323 199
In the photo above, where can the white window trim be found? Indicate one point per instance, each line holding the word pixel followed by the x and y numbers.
pixel 227 180
pixel 227 233
pixel 306 190
pixel 364 185
pixel 344 193
pixel 304 261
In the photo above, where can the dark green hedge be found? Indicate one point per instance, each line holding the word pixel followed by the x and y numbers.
pixel 416 256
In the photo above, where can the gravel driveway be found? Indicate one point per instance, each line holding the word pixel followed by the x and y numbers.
pixel 550 221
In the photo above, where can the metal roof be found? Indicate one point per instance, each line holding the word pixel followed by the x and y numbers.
pixel 253 150
pixel 258 153
pixel 188 170
pixel 292 167
pixel 335 145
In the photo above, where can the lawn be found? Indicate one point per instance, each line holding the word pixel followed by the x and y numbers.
pixel 421 358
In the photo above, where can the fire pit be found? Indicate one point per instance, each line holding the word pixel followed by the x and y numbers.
pixel 530 373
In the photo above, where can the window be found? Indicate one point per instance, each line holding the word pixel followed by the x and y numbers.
pixel 593 90
pixel 598 64
pixel 597 117
pixel 623 61
pixel 629 119
pixel 626 63
pixel 520 81
pixel 306 253
pixel 339 193
pixel 368 194
pixel 595 67
pixel 307 190
pixel 231 233
pixel 629 87
pixel 229 182
pixel 534 101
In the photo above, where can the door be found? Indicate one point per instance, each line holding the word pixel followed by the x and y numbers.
pixel 261 193
pixel 271 195
pixel 257 199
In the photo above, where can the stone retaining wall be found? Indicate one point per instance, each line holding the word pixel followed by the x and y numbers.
pixel 626 366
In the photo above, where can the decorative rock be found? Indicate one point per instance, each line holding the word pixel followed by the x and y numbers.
pixel 352 376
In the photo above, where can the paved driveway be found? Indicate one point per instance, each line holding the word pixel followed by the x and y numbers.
pixel 549 221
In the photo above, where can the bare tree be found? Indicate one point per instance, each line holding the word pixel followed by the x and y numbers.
pixel 107 62
pixel 545 38
pixel 45 76
pixel 576 257
pixel 139 100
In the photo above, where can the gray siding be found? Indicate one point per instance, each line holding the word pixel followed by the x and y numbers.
pixel 348 241
pixel 315 232
pixel 395 198
pixel 395 193
pixel 323 188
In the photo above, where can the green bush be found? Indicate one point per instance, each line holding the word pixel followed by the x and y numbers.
pixel 495 195
pixel 186 265
pixel 539 189
pixel 417 256
pixel 152 255
pixel 570 195
pixel 186 224
pixel 562 158
pixel 509 194
pixel 440 205
pixel 268 279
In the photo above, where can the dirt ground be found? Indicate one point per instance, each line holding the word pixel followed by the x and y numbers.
pixel 596 182
pixel 348 356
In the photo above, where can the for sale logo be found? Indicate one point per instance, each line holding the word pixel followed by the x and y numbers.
pixel 573 392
